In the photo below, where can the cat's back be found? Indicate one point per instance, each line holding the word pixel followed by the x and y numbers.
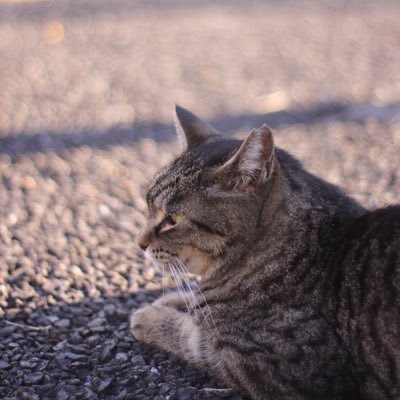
pixel 367 291
pixel 371 257
pixel 382 225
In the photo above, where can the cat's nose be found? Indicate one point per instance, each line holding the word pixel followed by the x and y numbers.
pixel 143 245
pixel 144 241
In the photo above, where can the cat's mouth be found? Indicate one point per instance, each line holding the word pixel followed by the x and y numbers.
pixel 183 263
pixel 160 255
pixel 162 259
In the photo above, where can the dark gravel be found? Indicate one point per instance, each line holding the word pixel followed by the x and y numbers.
pixel 86 93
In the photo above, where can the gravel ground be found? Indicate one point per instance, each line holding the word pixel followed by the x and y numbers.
pixel 87 89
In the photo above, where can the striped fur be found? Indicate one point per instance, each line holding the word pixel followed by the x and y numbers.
pixel 300 285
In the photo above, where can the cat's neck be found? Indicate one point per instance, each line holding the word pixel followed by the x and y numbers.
pixel 307 196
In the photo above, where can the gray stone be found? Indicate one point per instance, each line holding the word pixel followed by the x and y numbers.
pixel 164 388
pixel 110 310
pixel 104 384
pixel 97 322
pixel 155 371
pixel 76 357
pixel 60 345
pixel 108 347
pixel 4 365
pixel 28 363
pixel 42 365
pixel 52 318
pixel 62 395
pixel 121 357
pixel 7 331
pixel 92 340
pixel 138 360
pixel 35 377
pixel 63 323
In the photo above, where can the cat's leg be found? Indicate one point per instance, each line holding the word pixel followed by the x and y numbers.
pixel 178 333
pixel 172 299
pixel 261 362
pixel 170 329
pixel 264 374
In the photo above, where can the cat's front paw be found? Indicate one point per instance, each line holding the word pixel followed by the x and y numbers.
pixel 142 323
pixel 166 328
pixel 153 324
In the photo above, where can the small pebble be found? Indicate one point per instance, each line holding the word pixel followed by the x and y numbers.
pixel 4 365
pixel 121 357
pixel 52 318
pixel 76 357
pixel 138 360
pixel 105 384
pixel 63 323
pixel 35 377
pixel 97 322
pixel 164 389
pixel 62 395
pixel 28 363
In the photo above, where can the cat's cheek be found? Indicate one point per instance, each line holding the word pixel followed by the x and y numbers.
pixel 196 262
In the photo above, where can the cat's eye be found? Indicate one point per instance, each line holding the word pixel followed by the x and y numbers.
pixel 169 222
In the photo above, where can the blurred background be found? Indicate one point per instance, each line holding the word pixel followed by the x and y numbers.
pixel 87 89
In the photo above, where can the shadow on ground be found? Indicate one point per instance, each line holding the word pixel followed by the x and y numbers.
pixel 20 143
pixel 85 351
pixel 88 8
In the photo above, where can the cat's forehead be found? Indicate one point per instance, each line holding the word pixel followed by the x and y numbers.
pixel 174 182
pixel 183 176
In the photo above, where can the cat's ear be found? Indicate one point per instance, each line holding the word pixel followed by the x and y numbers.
pixel 253 162
pixel 191 130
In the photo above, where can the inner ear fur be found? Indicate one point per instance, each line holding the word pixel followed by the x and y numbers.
pixel 253 162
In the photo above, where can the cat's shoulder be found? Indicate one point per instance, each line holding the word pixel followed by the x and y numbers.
pixel 381 223
pixel 388 214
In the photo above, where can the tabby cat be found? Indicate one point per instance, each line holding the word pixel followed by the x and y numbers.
pixel 299 295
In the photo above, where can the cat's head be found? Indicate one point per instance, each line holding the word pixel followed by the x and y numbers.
pixel 206 205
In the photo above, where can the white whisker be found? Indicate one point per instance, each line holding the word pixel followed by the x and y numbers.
pixel 179 284
pixel 189 296
pixel 194 302
pixel 185 271
pixel 163 280
pixel 143 168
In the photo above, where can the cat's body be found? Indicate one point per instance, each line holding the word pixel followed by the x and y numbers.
pixel 300 289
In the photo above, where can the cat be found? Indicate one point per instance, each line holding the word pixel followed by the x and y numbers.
pixel 299 295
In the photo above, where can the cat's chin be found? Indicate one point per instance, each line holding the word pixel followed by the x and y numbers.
pixel 188 261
